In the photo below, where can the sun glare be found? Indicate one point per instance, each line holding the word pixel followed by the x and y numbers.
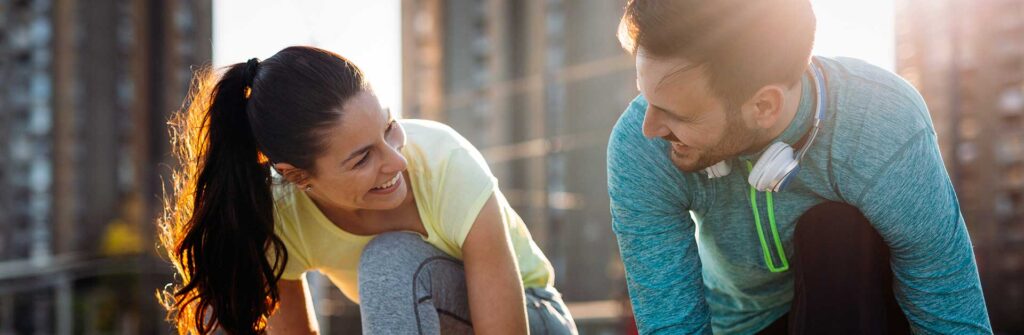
pixel 366 32
pixel 860 29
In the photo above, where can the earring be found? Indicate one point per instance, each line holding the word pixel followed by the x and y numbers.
pixel 309 188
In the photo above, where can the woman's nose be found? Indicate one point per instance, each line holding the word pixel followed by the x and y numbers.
pixel 395 162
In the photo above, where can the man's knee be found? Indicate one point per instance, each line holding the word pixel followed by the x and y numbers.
pixel 833 222
pixel 836 240
pixel 842 277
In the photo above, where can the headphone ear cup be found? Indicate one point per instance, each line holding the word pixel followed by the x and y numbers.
pixel 769 169
pixel 720 169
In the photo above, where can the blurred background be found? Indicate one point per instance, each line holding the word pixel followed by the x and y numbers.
pixel 86 88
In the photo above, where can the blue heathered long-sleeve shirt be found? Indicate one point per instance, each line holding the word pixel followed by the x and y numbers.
pixel 694 263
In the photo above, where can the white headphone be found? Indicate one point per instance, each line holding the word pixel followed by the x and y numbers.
pixel 777 166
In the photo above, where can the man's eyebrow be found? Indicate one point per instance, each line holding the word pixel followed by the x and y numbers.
pixel 676 72
pixel 672 114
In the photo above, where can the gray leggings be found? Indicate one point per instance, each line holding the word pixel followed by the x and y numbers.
pixel 406 286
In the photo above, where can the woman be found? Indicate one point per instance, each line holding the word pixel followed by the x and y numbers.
pixel 403 216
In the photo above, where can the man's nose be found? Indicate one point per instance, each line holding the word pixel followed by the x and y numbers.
pixel 653 127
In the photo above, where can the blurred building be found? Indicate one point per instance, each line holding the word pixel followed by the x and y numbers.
pixel 86 88
pixel 967 59
pixel 537 87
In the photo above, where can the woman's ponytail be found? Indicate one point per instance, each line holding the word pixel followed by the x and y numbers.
pixel 218 226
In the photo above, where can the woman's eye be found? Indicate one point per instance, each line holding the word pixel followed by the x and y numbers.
pixel 391 125
pixel 363 160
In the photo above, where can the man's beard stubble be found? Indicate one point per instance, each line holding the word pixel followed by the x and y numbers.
pixel 738 139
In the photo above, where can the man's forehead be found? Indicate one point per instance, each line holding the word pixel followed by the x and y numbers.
pixel 654 72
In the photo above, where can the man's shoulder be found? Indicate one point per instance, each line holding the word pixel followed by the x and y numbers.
pixel 630 123
pixel 866 93
pixel 627 135
pixel 627 146
pixel 639 167
pixel 875 117
pixel 874 111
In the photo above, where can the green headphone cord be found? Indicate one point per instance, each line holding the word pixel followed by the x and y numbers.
pixel 760 232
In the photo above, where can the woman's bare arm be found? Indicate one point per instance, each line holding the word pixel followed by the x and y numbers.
pixel 496 300
pixel 294 313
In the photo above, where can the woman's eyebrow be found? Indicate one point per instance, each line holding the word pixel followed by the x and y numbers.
pixel 357 153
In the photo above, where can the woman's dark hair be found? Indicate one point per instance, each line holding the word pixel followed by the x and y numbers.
pixel 218 225
pixel 742 45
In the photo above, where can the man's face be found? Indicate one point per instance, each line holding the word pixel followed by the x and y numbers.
pixel 684 111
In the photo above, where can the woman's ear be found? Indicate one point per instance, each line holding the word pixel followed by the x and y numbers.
pixel 292 174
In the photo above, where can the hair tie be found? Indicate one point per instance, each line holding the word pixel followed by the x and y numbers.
pixel 250 71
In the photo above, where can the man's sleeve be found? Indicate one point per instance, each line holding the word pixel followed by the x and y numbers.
pixel 654 231
pixel 909 199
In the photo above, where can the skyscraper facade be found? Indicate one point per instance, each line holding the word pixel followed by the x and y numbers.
pixel 87 88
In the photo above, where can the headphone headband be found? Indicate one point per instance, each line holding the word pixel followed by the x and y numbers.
pixel 820 82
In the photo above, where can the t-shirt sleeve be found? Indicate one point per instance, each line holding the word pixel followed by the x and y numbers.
pixel 464 187
pixel 297 263
pixel 652 224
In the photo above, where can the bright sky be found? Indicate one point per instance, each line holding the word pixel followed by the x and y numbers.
pixel 364 31
pixel 368 33
pixel 860 29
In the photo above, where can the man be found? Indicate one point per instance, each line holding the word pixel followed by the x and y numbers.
pixel 868 220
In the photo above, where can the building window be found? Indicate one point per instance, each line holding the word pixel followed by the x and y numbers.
pixel 1010 148
pixel 1011 100
pixel 1015 175
pixel 969 128
pixel 967 152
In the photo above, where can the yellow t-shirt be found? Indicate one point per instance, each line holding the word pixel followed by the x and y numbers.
pixel 451 183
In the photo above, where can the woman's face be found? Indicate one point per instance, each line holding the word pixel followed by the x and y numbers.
pixel 362 165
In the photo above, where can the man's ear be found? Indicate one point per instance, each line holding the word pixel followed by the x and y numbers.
pixel 292 174
pixel 765 107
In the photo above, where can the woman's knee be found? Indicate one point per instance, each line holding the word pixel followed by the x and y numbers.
pixel 394 254
pixel 385 243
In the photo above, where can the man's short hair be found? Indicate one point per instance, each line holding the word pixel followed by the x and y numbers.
pixel 742 45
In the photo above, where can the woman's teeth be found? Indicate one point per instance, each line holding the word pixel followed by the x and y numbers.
pixel 389 183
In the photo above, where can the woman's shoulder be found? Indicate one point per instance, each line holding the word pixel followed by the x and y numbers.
pixel 424 124
pixel 435 151
pixel 434 136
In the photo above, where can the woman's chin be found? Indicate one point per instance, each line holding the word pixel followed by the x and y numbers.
pixel 386 201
